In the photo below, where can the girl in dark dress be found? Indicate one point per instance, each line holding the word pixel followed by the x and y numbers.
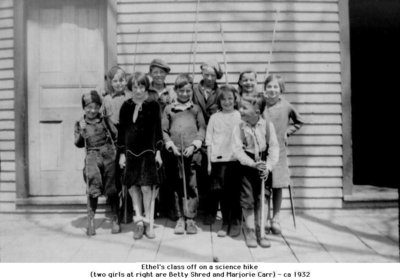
pixel 140 138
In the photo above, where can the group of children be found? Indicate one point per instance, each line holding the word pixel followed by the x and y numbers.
pixel 222 142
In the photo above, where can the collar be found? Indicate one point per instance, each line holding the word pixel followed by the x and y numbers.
pixel 260 122
pixel 201 86
pixel 118 94
pixel 163 91
pixel 178 106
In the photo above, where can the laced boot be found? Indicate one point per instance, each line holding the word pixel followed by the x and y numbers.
pixel 180 226
pixel 250 237
pixel 115 223
pixel 139 230
pixel 191 227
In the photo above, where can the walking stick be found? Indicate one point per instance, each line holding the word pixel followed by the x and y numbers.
pixel 272 44
pixel 135 54
pixel 292 205
pixel 194 39
pixel 185 205
pixel 223 51
pixel 262 200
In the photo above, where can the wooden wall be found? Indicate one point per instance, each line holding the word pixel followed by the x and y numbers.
pixel 7 115
pixel 306 52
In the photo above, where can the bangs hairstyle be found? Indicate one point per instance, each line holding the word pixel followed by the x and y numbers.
pixel 226 89
pixel 258 101
pixel 182 80
pixel 139 78
pixel 277 78
pixel 110 75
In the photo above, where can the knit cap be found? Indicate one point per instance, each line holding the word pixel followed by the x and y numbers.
pixel 215 65
pixel 90 97
pixel 160 64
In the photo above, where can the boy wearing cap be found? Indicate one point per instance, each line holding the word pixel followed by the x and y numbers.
pixel 158 91
pixel 206 96
pixel 93 133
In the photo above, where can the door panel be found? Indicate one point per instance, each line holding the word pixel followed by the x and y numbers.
pixel 65 59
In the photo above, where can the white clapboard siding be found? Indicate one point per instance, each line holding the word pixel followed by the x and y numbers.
pixel 306 52
pixel 7 105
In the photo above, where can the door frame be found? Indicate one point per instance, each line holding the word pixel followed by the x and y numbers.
pixel 109 10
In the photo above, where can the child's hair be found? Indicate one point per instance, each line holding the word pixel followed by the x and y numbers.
pixel 226 89
pixel 277 78
pixel 182 80
pixel 260 101
pixel 139 78
pixel 110 75
pixel 241 76
pixel 91 97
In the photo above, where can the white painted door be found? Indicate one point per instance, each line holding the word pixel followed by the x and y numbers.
pixel 65 50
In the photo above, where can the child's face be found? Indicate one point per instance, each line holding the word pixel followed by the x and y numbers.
pixel 185 93
pixel 158 75
pixel 209 76
pixel 248 82
pixel 138 90
pixel 92 110
pixel 272 91
pixel 227 101
pixel 118 82
pixel 249 112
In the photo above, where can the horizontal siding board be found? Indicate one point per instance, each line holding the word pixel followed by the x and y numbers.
pixel 7 145
pixel 322 119
pixel 7 115
pixel 232 36
pixel 222 6
pixel 6 33
pixel 7 135
pixel 6 74
pixel 6 12
pixel 315 161
pixel 315 150
pixel 315 140
pixel 6 94
pixel 7 43
pixel 7 176
pixel 6 84
pixel 6 23
pixel 314 193
pixel 7 156
pixel 6 53
pixel 6 4
pixel 7 206
pixel 212 47
pixel 232 26
pixel 310 203
pixel 206 1
pixel 316 171
pixel 226 16
pixel 6 104
pixel 6 124
pixel 313 98
pixel 7 166
pixel 6 64
pixel 319 108
pixel 317 182
pixel 7 196
pixel 7 186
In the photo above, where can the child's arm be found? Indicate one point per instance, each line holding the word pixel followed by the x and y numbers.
pixel 159 134
pixel 79 135
pixel 121 134
pixel 237 148
pixel 166 125
pixel 201 132
pixel 273 148
pixel 296 121
pixel 209 137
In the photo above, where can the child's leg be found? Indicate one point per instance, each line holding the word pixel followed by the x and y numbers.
pixel 91 210
pixel 248 202
pixel 137 199
pixel 192 196
pixel 148 192
pixel 277 202
pixel 224 197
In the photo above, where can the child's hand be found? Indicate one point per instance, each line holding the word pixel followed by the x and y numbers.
pixel 188 151
pixel 260 165
pixel 175 150
pixel 122 161
pixel 209 169
pixel 264 174
pixel 159 161
pixel 82 124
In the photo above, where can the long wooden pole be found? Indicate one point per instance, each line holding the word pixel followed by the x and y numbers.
pixel 135 54
pixel 272 44
pixel 193 50
pixel 224 53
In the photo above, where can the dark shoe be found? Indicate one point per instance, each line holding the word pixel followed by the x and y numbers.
pixel 262 241
pixel 268 226
pixel 235 230
pixel 191 228
pixel 115 226
pixel 139 230
pixel 223 231
pixel 250 237
pixel 276 227
pixel 180 227
pixel 149 232
pixel 90 230
pixel 209 220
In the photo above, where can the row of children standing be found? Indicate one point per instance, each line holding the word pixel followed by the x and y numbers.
pixel 205 137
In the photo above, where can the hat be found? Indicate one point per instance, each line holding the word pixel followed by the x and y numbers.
pixel 90 97
pixel 160 64
pixel 215 65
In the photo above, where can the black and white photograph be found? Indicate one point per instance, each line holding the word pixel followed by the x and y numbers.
pixel 178 131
